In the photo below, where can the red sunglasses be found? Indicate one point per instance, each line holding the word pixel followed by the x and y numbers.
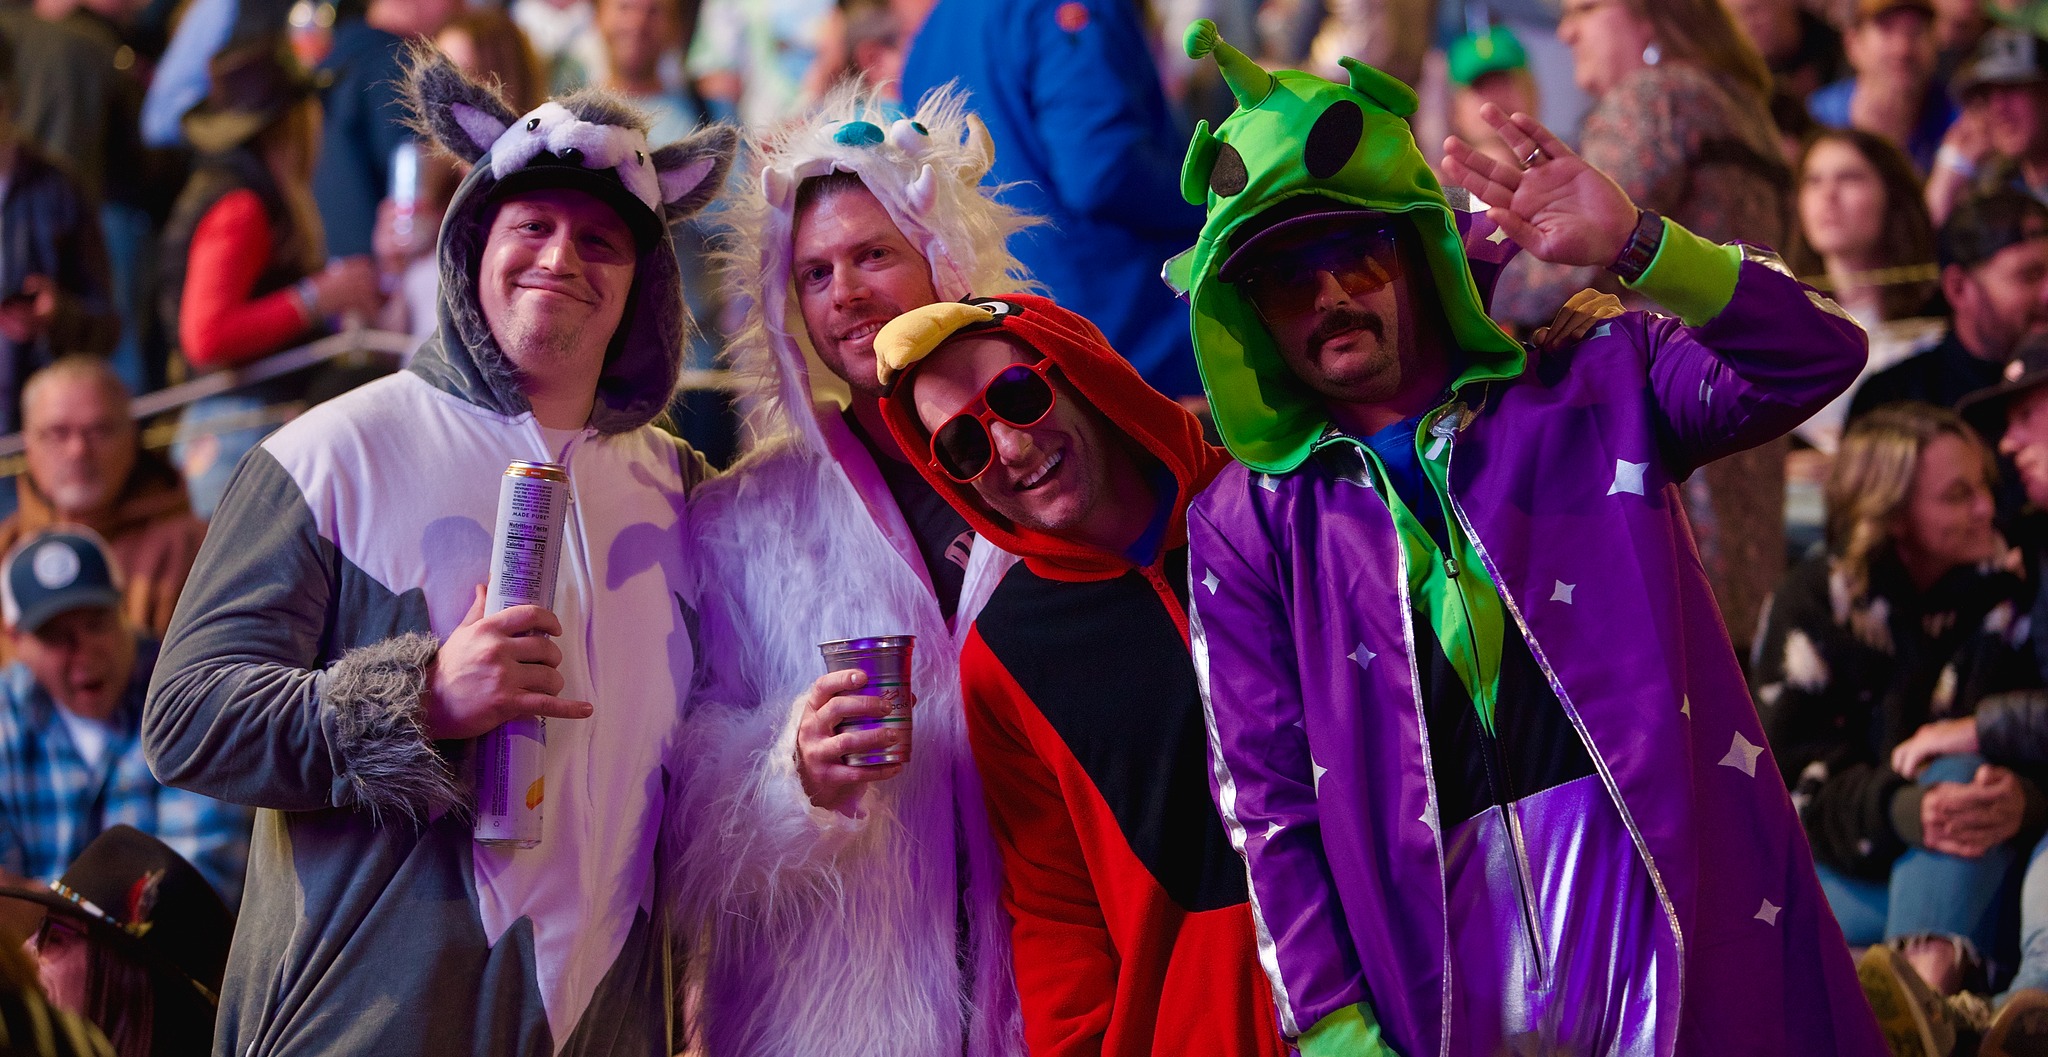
pixel 1020 394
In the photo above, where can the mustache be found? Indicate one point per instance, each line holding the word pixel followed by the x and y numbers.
pixel 1341 320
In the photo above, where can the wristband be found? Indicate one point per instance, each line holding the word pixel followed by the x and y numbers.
pixel 308 294
pixel 1641 247
pixel 1955 161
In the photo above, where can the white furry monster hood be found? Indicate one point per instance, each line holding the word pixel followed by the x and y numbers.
pixel 605 140
pixel 924 169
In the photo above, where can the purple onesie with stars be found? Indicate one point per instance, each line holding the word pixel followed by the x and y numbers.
pixel 1665 888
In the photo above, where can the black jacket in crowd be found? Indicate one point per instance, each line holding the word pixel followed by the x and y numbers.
pixel 1840 682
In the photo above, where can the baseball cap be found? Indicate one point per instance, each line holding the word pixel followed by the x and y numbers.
pixel 2004 56
pixel 1986 223
pixel 1869 9
pixel 56 572
pixel 1495 49
pixel 1985 408
pixel 1249 240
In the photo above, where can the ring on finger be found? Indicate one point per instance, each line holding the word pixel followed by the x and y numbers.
pixel 1535 154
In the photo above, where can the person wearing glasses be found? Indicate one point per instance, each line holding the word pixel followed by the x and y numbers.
pixel 1476 725
pixel 832 908
pixel 1131 935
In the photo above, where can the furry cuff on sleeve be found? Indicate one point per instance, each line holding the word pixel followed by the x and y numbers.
pixel 386 762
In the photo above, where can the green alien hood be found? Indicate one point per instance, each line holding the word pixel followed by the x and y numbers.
pixel 1292 134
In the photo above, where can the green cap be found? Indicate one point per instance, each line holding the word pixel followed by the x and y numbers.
pixel 1475 55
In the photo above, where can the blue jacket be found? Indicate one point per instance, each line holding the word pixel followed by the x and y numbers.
pixel 1830 106
pixel 364 123
pixel 1072 99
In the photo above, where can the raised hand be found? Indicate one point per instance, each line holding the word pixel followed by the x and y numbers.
pixel 1558 208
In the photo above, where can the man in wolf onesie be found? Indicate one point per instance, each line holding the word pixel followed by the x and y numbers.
pixel 330 660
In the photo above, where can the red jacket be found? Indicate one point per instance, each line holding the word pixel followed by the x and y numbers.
pixel 1132 929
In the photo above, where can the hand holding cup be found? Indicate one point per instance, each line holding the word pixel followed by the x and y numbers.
pixel 821 749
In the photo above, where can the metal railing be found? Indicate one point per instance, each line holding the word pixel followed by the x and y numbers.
pixel 354 347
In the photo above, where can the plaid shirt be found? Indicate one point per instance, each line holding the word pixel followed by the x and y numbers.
pixel 52 803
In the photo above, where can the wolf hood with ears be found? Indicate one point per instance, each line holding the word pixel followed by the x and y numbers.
pixel 812 934
pixel 347 550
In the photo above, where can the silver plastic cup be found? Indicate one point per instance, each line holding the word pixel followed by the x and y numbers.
pixel 886 660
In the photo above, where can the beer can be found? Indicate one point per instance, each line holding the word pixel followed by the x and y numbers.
pixel 533 501
pixel 886 660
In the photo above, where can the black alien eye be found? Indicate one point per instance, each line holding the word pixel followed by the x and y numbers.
pixel 1333 139
pixel 532 123
pixel 639 157
pixel 1227 177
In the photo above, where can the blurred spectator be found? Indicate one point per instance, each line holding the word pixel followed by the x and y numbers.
pixel 86 466
pixel 71 761
pixel 636 34
pixel 1959 26
pixel 204 27
pixel 1864 237
pixel 76 103
pixel 134 940
pixel 864 39
pixel 55 286
pixel 1802 50
pixel 1488 67
pixel 243 250
pixel 2008 729
pixel 1894 92
pixel 749 57
pixel 81 105
pixel 2001 139
pixel 1083 138
pixel 1903 620
pixel 1993 254
pixel 564 35
pixel 1681 121
pixel 180 81
pixel 488 46
pixel 365 116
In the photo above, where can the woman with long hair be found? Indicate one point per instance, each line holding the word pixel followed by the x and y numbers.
pixel 1864 236
pixel 491 49
pixel 245 259
pixel 1909 616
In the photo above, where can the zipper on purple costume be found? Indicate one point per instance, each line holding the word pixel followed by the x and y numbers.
pixel 1578 725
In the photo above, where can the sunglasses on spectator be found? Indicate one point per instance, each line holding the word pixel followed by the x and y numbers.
pixel 1021 395
pixel 1361 258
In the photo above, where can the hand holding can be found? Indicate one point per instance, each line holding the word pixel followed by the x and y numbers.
pixel 511 761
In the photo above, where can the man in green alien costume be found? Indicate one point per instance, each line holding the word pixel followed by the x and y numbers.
pixel 1475 723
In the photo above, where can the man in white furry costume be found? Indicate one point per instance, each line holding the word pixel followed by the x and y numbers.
pixel 864 917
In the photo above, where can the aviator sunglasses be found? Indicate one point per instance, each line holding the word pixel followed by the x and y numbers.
pixel 1020 394
pixel 1362 258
